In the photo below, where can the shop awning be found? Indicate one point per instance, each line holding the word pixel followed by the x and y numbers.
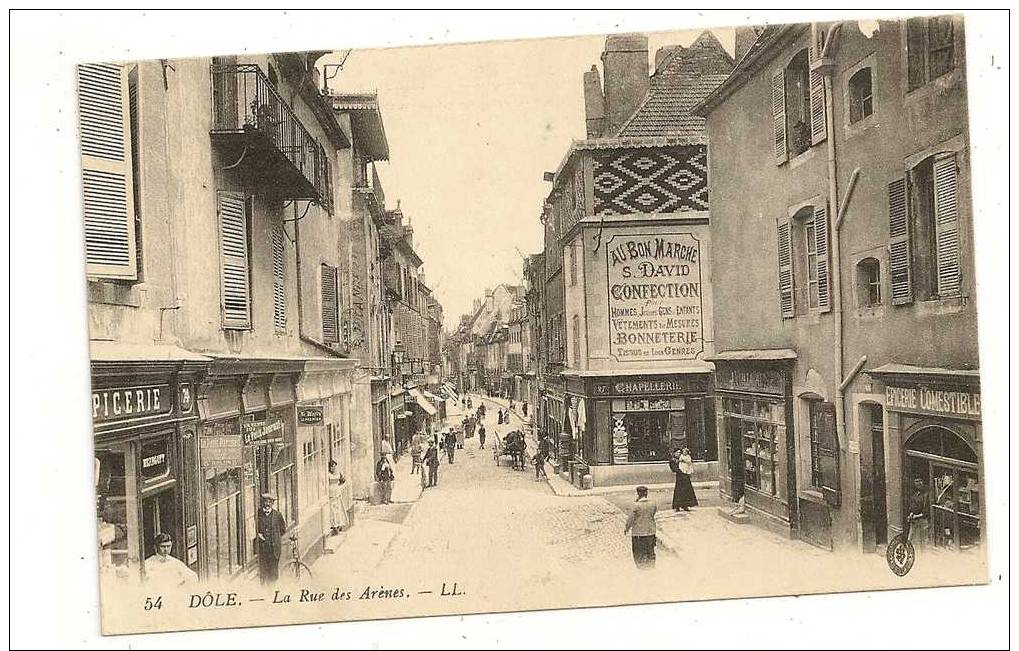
pixel 924 373
pixel 422 402
pixel 754 355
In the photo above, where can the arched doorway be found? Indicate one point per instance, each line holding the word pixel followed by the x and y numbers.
pixel 947 465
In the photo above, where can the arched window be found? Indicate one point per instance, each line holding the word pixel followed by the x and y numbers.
pixel 797 103
pixel 861 98
pixel 868 282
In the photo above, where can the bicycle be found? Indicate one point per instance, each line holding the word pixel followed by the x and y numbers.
pixel 295 565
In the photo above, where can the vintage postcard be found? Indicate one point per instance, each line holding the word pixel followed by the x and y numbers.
pixel 504 326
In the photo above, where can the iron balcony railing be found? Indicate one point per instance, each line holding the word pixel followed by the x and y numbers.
pixel 245 102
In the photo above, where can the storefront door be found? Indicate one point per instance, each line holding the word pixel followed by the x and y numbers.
pixel 159 515
pixel 879 508
pixel 734 452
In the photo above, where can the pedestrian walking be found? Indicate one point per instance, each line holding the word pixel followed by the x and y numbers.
pixel 417 448
pixel 387 448
pixel 481 435
pixel 525 408
pixel 165 571
pixel 642 529
pixel 270 527
pixel 338 518
pixel 683 495
pixel 432 463
pixel 384 476
pixel 539 459
pixel 450 442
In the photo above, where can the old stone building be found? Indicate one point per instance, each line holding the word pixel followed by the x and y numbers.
pixel 845 300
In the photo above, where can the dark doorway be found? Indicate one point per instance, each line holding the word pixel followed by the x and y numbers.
pixel 159 515
pixel 879 509
pixel 734 450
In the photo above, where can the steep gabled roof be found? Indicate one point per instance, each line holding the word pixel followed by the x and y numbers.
pixel 685 77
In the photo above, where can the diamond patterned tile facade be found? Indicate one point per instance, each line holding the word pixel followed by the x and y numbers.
pixel 648 181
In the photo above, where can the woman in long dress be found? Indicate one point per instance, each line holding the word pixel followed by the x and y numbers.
pixel 337 501
pixel 683 496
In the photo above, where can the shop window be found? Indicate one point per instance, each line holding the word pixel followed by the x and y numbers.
pixel 112 512
pixel 948 468
pixel 752 425
pixel 224 531
pixel 797 103
pixel 868 282
pixel 930 49
pixel 861 96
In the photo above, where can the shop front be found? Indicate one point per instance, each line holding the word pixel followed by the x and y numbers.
pixel 425 416
pixel 247 447
pixel 553 422
pixel 932 426
pixel 324 434
pixel 625 428
pixel 144 420
pixel 757 460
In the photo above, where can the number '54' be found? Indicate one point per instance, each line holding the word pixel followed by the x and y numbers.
pixel 150 604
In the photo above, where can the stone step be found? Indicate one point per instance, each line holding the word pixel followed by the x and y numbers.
pixel 736 518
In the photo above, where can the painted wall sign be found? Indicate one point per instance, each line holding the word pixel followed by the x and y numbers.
pixel 155 459
pixel 751 380
pixel 648 404
pixel 133 402
pixel 309 414
pixel 265 431
pixel 923 399
pixel 654 297
pixel 653 386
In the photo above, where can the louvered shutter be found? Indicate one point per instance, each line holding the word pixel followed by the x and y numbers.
pixel 330 307
pixel 822 260
pixel 946 224
pixel 818 116
pixel 235 286
pixel 899 245
pixel 785 270
pixel 279 280
pixel 778 116
pixel 106 175
pixel 831 484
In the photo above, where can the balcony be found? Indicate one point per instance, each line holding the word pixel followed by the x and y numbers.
pixel 261 137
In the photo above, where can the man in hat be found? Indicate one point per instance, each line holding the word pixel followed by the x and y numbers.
pixel 164 570
pixel 269 541
pixel 641 527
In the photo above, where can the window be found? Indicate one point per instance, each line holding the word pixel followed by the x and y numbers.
pixel 861 98
pixel 753 425
pixel 279 280
pixel 312 470
pixel 816 474
pixel 923 228
pixel 868 282
pixel 797 103
pixel 810 243
pixel 234 248
pixel 930 49
pixel 107 174
pixel 224 531
pixel 330 305
pixel 573 265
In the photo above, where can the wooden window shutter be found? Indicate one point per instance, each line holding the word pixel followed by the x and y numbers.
pixel 946 224
pixel 279 280
pixel 785 270
pixel 900 265
pixel 235 279
pixel 778 116
pixel 818 115
pixel 106 174
pixel 330 305
pixel 831 485
pixel 821 228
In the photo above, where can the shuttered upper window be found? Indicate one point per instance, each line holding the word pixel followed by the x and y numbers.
pixel 330 305
pixel 930 49
pixel 803 261
pixel 235 273
pixel 279 280
pixel 798 105
pixel 106 167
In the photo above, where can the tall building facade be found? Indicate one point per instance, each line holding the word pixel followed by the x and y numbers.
pixel 845 321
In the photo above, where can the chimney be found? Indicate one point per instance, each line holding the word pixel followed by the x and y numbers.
pixel 625 62
pixel 594 103
pixel 745 38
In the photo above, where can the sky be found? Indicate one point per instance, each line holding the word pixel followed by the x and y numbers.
pixel 471 130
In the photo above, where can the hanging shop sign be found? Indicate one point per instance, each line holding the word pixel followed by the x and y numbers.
pixel 654 297
pixel 930 401
pixel 131 402
pixel 751 380
pixel 155 459
pixel 269 430
pixel 309 415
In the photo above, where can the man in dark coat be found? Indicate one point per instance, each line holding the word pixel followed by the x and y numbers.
pixel 269 541
pixel 481 435
pixel 449 441
pixel 432 463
